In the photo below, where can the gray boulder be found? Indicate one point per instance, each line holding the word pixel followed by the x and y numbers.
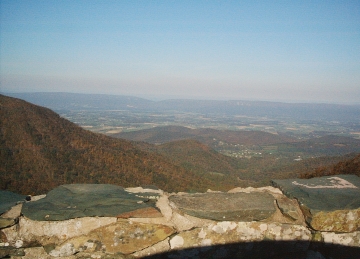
pixel 85 200
pixel 226 206
pixel 9 199
pixel 329 203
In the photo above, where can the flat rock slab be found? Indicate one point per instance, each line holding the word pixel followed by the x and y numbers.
pixel 85 200
pixel 328 193
pixel 226 206
pixel 329 203
pixel 9 199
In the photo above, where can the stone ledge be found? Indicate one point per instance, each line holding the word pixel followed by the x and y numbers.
pixel 183 225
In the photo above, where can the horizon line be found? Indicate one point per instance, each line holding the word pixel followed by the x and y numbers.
pixel 163 97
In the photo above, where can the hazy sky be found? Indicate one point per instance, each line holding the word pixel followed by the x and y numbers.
pixel 261 50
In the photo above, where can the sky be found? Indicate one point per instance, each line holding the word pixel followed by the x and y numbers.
pixel 291 51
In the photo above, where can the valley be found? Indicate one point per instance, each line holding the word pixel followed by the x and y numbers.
pixel 200 144
pixel 116 121
pixel 132 125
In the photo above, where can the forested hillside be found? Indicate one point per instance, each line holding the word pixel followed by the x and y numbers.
pixel 349 166
pixel 204 161
pixel 40 150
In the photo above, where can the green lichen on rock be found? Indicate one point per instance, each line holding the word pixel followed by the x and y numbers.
pixel 85 200
pixel 226 206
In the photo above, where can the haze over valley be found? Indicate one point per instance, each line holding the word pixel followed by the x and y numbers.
pixel 213 144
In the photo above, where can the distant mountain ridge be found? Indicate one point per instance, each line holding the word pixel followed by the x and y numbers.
pixel 74 101
pixel 297 111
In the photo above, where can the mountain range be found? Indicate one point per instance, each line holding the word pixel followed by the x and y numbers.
pixel 295 111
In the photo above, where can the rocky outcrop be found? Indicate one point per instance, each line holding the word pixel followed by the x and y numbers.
pixel 330 203
pixel 107 221
pixel 120 237
pixel 10 208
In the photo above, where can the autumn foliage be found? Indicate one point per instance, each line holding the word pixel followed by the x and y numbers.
pixel 40 150
pixel 350 166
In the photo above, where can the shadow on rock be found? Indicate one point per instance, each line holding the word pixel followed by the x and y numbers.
pixel 265 249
